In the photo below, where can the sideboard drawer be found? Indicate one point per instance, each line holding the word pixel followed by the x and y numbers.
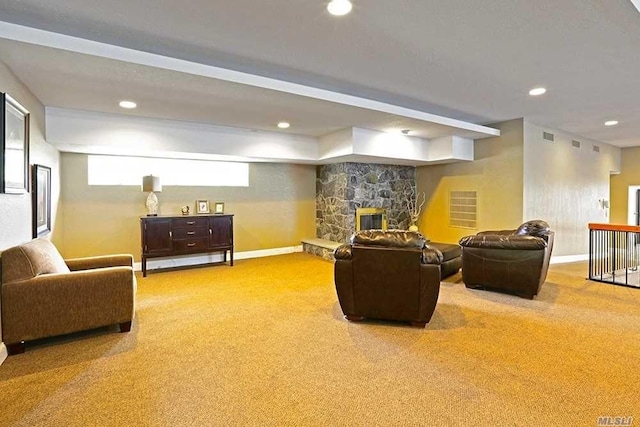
pixel 190 233
pixel 190 222
pixel 190 245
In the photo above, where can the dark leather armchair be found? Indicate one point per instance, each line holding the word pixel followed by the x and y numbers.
pixel 514 261
pixel 389 275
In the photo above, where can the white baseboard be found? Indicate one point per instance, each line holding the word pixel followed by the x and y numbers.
pixel 186 260
pixel 3 352
pixel 568 258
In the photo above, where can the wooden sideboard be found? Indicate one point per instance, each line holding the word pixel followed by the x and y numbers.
pixel 166 236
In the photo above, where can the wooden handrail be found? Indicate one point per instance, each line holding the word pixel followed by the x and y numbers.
pixel 614 227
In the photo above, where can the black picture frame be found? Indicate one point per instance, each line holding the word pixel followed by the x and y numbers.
pixel 41 200
pixel 14 146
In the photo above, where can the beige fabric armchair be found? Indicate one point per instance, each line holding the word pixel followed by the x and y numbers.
pixel 43 295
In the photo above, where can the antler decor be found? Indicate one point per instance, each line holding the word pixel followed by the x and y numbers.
pixel 414 205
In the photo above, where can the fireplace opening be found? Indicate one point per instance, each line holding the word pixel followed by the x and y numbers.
pixel 371 219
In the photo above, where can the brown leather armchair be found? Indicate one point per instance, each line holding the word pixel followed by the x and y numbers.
pixel 389 275
pixel 513 261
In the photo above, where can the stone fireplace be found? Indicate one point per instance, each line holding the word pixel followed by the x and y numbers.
pixel 344 187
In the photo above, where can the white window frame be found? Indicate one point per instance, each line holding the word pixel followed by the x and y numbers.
pixel 129 170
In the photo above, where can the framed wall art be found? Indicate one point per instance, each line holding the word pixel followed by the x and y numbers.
pixel 218 208
pixel 202 206
pixel 41 200
pixel 14 146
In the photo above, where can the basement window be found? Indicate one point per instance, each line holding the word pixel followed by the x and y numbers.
pixel 463 209
pixel 123 170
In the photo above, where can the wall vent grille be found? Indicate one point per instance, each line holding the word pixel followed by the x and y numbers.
pixel 463 209
pixel 548 136
pixel 596 148
pixel 575 143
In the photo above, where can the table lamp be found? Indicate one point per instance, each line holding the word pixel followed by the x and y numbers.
pixel 151 184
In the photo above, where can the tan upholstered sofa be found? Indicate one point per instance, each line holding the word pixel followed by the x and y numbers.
pixel 44 295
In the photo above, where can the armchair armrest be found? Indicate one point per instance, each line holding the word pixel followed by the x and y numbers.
pixel 343 252
pixel 431 255
pixel 503 242
pixel 119 260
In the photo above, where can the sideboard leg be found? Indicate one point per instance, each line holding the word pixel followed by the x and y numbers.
pixel 231 256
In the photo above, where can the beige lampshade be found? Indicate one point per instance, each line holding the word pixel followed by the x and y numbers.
pixel 151 183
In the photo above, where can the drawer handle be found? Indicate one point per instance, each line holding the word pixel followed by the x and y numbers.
pixel 190 245
pixel 191 232
pixel 190 222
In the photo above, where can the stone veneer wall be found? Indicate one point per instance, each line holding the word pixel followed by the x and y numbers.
pixel 343 187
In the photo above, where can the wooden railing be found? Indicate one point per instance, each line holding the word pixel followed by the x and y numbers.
pixel 614 254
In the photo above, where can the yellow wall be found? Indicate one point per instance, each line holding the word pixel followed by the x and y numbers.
pixel 276 210
pixel 496 175
pixel 620 183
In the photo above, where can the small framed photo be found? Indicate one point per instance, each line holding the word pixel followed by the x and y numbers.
pixel 202 206
pixel 219 208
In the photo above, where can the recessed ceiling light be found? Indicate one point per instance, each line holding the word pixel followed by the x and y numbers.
pixel 537 91
pixel 283 125
pixel 339 7
pixel 128 104
pixel 611 123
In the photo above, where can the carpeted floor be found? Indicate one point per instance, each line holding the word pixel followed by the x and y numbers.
pixel 264 343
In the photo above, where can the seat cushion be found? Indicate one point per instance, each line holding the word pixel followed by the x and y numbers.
pixel 449 251
pixel 31 259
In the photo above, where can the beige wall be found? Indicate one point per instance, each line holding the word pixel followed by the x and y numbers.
pixel 497 176
pixel 620 184
pixel 276 210
pixel 520 176
pixel 563 184
pixel 15 209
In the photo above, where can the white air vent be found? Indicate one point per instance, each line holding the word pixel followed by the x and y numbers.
pixel 548 136
pixel 596 148
pixel 463 209
pixel 575 143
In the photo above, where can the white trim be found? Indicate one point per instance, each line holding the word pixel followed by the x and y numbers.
pixel 568 258
pixel 89 47
pixel 187 260
pixel 3 352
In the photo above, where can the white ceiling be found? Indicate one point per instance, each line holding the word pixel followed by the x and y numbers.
pixel 472 61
